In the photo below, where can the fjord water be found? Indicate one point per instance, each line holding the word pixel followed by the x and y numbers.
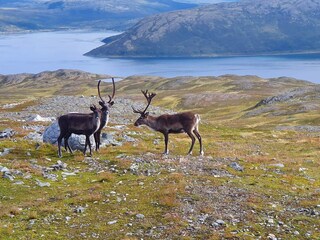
pixel 42 51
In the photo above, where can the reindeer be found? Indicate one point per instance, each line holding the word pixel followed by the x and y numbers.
pixel 105 113
pixel 81 124
pixel 170 123
pixel 85 124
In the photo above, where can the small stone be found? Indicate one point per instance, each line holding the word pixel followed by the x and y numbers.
pixel 112 222
pixel 4 169
pixel 236 166
pixel 19 183
pixel 270 221
pixel 7 133
pixel 140 216
pixel 272 237
pixel 278 165
pixel 5 152
pixel 8 175
pixel 42 184
pixel 79 210
pixel 220 222
pixel 296 233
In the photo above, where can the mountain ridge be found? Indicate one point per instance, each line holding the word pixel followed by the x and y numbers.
pixel 79 14
pixel 224 29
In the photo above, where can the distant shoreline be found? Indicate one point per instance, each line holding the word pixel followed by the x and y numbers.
pixel 207 56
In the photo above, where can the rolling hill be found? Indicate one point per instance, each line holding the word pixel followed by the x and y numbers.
pixel 225 29
pixel 21 15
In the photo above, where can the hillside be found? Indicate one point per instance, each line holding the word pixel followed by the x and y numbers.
pixel 248 27
pixel 80 14
pixel 259 178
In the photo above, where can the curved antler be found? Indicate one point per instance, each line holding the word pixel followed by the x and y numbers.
pixel 99 91
pixel 149 97
pixel 113 91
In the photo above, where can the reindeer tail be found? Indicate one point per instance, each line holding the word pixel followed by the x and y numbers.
pixel 198 118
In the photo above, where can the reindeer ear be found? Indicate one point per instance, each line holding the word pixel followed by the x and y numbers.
pixel 146 114
pixel 111 103
pixel 101 103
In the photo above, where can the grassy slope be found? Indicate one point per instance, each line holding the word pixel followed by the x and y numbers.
pixel 270 191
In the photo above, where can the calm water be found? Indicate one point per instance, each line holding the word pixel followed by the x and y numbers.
pixel 36 52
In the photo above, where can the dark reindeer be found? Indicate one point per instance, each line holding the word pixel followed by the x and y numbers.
pixel 104 113
pixel 170 123
pixel 85 124
pixel 81 124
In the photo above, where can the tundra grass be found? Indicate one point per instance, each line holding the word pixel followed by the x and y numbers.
pixel 281 176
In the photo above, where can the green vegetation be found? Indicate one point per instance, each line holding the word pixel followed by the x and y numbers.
pixel 176 197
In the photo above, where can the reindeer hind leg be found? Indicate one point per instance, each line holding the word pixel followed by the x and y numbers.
pixel 196 132
pixel 59 145
pixel 193 139
pixel 66 142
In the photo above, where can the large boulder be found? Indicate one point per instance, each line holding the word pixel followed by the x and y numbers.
pixel 76 142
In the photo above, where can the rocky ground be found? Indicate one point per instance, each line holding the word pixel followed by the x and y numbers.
pixel 252 183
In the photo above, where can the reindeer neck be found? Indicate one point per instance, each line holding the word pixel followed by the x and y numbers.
pixel 152 123
pixel 104 118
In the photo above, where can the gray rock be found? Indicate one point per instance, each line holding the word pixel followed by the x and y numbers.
pixel 34 136
pixel 76 142
pixel 4 169
pixel 42 184
pixel 7 133
pixel 112 222
pixel 107 139
pixel 236 166
pixel 278 165
pixel 220 222
pixel 140 216
pixel 272 237
pixel 8 175
pixel 38 118
pixel 6 151
pixel 79 210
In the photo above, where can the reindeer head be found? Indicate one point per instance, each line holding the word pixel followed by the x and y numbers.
pixel 143 114
pixel 95 110
pixel 106 105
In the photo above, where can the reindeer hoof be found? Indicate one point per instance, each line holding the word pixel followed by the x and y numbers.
pixel 202 153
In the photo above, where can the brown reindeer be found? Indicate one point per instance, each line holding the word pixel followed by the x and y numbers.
pixel 80 124
pixel 170 123
pixel 105 109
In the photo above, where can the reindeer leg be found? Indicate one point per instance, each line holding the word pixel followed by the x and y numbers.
pixel 99 139
pixel 95 135
pixel 196 132
pixel 59 145
pixel 166 140
pixel 66 143
pixel 89 143
pixel 193 140
pixel 85 146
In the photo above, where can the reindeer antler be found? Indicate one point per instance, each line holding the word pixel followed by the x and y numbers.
pixel 99 91
pixel 149 97
pixel 113 91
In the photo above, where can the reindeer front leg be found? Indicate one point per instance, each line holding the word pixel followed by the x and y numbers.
pixel 166 139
